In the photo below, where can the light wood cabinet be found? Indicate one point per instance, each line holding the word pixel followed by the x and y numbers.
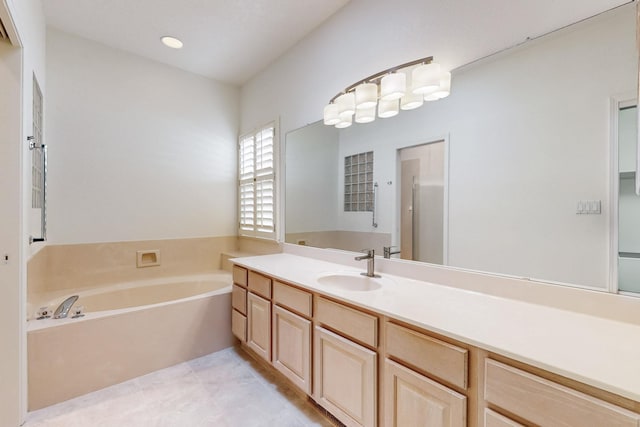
pixel 353 323
pixel 546 403
pixel 239 325
pixel 291 347
pixel 345 379
pixel 412 399
pixel 239 299
pixel 239 275
pixel 493 419
pixel 259 325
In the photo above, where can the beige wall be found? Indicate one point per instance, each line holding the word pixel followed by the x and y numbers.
pixel 345 240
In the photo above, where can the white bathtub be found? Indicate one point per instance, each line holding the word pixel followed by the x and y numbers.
pixel 128 330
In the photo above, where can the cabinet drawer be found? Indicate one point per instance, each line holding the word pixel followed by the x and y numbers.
pixel 239 275
pixel 292 298
pixel 442 360
pixel 493 419
pixel 239 325
pixel 239 299
pixel 260 284
pixel 546 403
pixel 353 323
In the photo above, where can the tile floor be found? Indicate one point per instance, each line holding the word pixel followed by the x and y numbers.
pixel 223 389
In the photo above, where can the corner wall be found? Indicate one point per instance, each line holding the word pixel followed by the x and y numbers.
pixel 138 150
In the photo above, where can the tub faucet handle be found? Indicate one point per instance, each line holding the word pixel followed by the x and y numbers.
pixel 63 309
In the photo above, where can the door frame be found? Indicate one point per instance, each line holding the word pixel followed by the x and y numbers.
pixel 445 202
pixel 616 103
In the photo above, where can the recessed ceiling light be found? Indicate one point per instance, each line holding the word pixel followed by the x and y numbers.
pixel 171 42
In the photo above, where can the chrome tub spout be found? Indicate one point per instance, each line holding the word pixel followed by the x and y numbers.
pixel 63 309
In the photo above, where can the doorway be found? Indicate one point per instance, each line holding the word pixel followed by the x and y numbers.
pixel 422 202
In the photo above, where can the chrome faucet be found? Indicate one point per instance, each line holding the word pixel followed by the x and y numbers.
pixel 370 257
pixel 388 252
pixel 63 309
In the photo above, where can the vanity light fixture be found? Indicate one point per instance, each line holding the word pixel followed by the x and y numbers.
pixel 403 87
pixel 171 42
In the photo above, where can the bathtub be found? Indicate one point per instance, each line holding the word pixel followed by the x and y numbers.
pixel 128 330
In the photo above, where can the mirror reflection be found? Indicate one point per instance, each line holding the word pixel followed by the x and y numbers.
pixel 503 176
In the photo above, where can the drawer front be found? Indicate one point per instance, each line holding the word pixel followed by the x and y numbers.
pixel 442 360
pixel 260 284
pixel 239 325
pixel 546 403
pixel 353 323
pixel 239 299
pixel 239 275
pixel 493 419
pixel 293 298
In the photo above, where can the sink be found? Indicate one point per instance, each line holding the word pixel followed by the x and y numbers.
pixel 352 281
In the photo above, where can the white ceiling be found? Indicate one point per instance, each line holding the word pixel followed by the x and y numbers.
pixel 232 40
pixel 227 40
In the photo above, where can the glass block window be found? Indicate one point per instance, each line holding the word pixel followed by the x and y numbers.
pixel 37 159
pixel 358 182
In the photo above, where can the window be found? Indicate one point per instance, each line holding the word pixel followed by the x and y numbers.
pixel 358 182
pixel 256 177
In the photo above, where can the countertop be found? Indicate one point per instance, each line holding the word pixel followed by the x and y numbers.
pixel 594 350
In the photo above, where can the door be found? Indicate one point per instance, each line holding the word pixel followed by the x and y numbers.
pixel 628 202
pixel 422 201
pixel 345 380
pixel 259 325
pixel 412 400
pixel 292 347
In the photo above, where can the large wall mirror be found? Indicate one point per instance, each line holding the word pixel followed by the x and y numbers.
pixel 511 174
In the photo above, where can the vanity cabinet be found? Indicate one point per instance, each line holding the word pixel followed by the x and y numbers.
pixel 370 370
pixel 543 402
pixel 291 341
pixel 416 370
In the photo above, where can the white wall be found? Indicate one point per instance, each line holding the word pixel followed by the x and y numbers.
pixel 137 149
pixel 17 65
pixel 311 168
pixel 528 135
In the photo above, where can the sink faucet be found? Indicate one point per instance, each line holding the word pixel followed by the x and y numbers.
pixel 63 309
pixel 388 252
pixel 370 257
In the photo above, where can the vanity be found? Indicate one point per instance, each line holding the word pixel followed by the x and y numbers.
pixel 397 351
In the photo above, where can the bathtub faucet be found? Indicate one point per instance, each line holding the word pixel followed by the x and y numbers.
pixel 63 309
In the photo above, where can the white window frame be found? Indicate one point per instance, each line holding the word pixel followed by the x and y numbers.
pixel 250 177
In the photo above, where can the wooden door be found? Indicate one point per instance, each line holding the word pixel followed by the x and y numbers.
pixel 345 380
pixel 292 347
pixel 259 325
pixel 412 400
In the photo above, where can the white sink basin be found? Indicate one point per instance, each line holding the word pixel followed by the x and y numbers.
pixel 352 281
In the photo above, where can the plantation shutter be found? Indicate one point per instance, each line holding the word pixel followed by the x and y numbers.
pixel 257 183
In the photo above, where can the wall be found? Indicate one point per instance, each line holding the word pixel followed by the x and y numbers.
pixel 137 150
pixel 10 239
pixel 528 137
pixel 17 65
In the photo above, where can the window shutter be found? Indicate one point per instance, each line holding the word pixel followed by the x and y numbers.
pixel 256 173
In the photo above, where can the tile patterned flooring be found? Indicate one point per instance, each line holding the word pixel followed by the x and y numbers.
pixel 224 389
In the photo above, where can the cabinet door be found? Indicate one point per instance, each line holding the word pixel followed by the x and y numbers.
pixel 345 380
pixel 259 325
pixel 239 325
pixel 412 399
pixel 292 347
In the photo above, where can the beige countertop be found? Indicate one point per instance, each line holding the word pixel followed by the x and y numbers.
pixel 598 351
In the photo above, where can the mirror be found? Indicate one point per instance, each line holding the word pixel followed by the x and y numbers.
pixel 525 145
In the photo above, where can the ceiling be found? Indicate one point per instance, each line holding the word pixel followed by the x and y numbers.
pixel 232 40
